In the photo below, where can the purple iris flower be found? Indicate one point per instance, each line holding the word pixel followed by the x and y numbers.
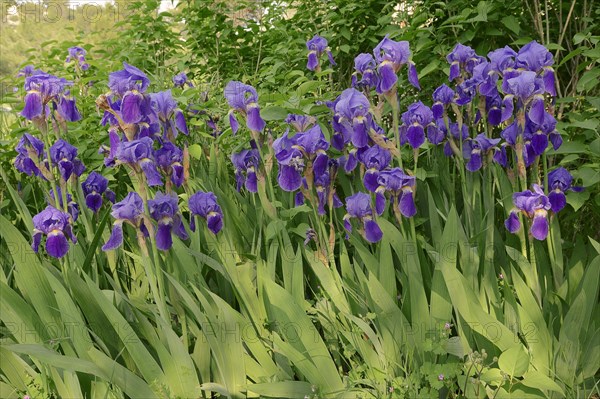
pixel 501 156
pixel 28 70
pixel 64 155
pixel 473 149
pixel 462 58
pixel 72 206
pixel 375 159
pixel 354 116
pixel 30 152
pixel 291 154
pixel 359 206
pixel 169 158
pixel 164 209
pixel 55 225
pixel 205 205
pixel 94 187
pixel 442 96
pixel 415 120
pixel 401 188
pixel 243 98
pixel 390 56
pixel 78 53
pixel 129 210
pixel 365 68
pixel 130 84
pixel 536 58
pixel 454 133
pixel 323 187
pixel 246 165
pixel 181 79
pixel 559 182
pixel 502 59
pixel 528 89
pixel 44 89
pixel 535 205
pixel 493 107
pixel 171 118
pixel 139 155
pixel 316 47
pixel 300 123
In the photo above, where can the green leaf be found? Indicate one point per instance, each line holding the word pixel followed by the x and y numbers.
pixel 536 379
pixel 284 389
pixel 514 361
pixel 511 23
pixel 274 113
pixel 195 151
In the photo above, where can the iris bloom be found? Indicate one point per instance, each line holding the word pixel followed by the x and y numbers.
pixel 292 153
pixel 55 225
pixel 473 149
pixel 415 120
pixel 390 56
pixel 316 47
pixel 64 155
pixel 528 89
pixel 170 117
pixel 359 206
pixel 243 98
pixel 300 123
pixel 30 152
pixel 536 58
pixel 502 59
pixel 462 58
pixel 44 89
pixel 130 84
pixel 442 97
pixel 169 158
pixel 94 187
pixel 78 53
pixel 246 165
pixel 205 205
pixel 559 182
pixel 365 68
pixel 354 116
pixel 533 204
pixel 323 187
pixel 181 80
pixel 375 159
pixel 130 210
pixel 139 155
pixel 164 209
pixel 28 70
pixel 401 187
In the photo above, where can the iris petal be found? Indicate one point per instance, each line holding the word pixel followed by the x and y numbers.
pixel 57 245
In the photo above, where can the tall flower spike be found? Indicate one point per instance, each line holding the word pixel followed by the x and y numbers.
pixel 55 225
pixel 130 211
pixel 164 209
pixel 205 205
pixel 359 206
pixel 316 47
pixel 243 98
